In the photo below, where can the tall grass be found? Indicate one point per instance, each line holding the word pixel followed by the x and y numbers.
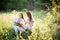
pixel 40 30
pixel 45 26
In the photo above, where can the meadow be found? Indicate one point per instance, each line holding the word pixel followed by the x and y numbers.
pixel 43 29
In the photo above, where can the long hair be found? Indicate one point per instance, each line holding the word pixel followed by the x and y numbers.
pixel 21 15
pixel 29 15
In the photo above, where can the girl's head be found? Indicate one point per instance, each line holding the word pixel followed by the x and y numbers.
pixel 29 15
pixel 21 15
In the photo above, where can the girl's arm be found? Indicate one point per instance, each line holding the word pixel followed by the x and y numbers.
pixel 27 21
pixel 18 24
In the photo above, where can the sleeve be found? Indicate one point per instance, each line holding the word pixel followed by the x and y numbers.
pixel 14 25
pixel 14 22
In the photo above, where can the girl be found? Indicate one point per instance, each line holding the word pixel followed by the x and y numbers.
pixel 19 23
pixel 27 26
pixel 29 20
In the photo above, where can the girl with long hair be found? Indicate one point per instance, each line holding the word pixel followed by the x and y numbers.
pixel 29 20
pixel 19 23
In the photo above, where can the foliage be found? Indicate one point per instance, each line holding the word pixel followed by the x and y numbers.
pixel 55 20
pixel 23 4
pixel 46 24
pixel 13 4
pixel 39 30
pixel 26 34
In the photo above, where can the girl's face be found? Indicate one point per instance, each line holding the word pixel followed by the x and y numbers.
pixel 20 15
pixel 29 15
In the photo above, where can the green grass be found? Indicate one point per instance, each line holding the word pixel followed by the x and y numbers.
pixel 40 30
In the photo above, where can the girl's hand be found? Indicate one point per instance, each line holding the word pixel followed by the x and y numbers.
pixel 24 29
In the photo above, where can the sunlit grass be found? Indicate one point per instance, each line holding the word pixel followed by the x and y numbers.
pixel 40 30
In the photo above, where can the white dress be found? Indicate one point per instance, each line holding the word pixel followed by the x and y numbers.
pixel 17 28
pixel 29 24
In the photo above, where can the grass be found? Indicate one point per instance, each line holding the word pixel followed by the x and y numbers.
pixel 40 30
